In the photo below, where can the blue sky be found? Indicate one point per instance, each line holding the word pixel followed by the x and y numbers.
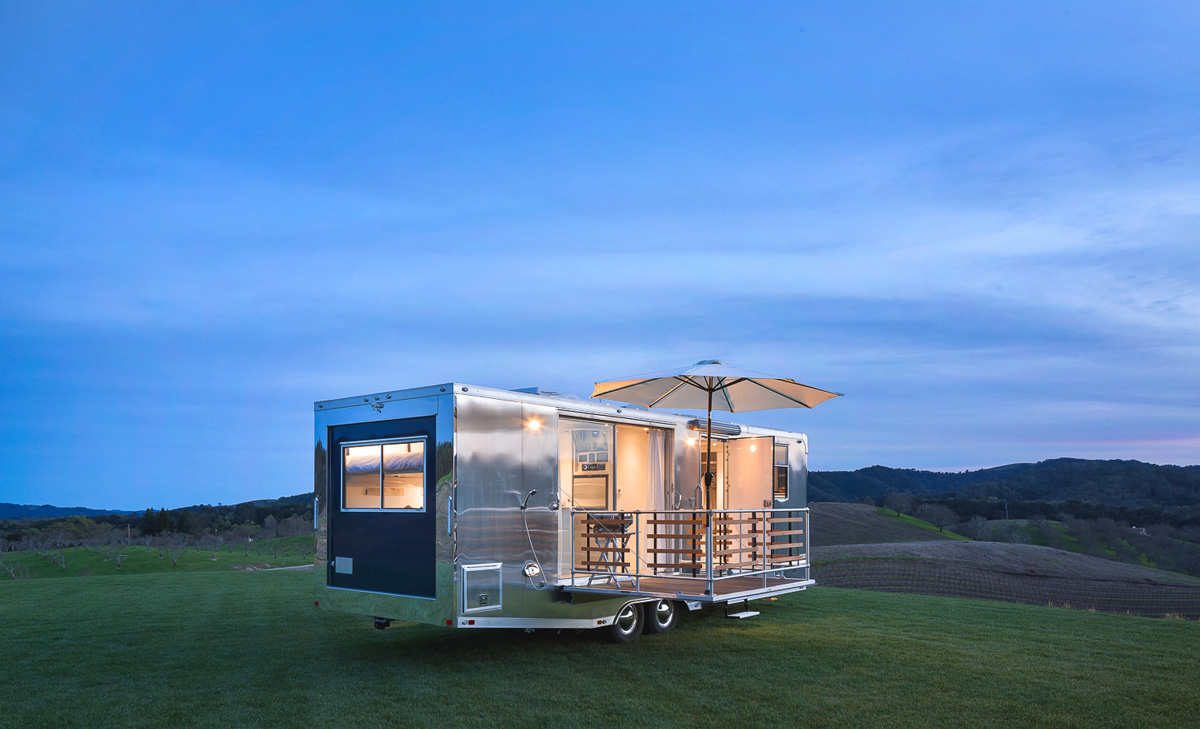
pixel 979 221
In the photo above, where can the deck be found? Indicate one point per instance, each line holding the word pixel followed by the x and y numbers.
pixel 704 556
pixel 730 589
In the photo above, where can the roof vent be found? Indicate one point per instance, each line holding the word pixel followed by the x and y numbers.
pixel 545 393
pixel 535 391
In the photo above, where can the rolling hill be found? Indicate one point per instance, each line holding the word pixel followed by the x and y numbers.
pixel 1130 484
pixel 839 523
pixel 46 511
pixel 854 545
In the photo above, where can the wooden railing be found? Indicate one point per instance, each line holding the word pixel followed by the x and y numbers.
pixel 701 546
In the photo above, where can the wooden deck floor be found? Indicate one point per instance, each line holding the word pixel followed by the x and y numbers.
pixel 724 590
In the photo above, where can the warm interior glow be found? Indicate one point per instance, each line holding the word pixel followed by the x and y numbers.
pixel 691 441
pixel 753 447
pixel 534 425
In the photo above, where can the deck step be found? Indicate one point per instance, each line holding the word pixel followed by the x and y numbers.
pixel 743 614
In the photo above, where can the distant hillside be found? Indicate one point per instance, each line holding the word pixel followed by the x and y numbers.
pixel 46 511
pixel 1130 484
pixel 840 523
pixel 1022 573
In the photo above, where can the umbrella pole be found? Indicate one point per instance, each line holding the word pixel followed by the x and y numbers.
pixel 708 474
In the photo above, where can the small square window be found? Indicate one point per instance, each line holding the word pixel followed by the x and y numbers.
pixel 384 476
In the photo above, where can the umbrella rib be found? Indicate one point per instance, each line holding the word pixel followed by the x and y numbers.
pixel 622 387
pixel 670 392
pixel 784 394
pixel 724 390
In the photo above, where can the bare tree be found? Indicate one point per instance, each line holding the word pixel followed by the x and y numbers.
pixel 938 515
pixel 899 502
pixel 212 544
pixel 175 544
pixel 16 571
pixel 295 526
pixel 977 528
pixel 62 560
pixel 117 549
pixel 1014 534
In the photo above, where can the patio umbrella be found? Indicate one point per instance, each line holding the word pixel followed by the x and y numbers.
pixel 712 384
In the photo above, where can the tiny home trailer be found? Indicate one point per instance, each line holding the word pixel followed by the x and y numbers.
pixel 474 507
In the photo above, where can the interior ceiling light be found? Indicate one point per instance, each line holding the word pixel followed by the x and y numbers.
pixel 534 425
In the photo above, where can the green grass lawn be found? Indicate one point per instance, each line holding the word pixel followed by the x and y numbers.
pixel 920 524
pixel 84 561
pixel 240 649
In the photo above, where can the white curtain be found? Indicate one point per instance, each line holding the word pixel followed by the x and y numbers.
pixel 656 482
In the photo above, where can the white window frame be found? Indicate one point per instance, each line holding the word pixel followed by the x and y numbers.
pixel 381 443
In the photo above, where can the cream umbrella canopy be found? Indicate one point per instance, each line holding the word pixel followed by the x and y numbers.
pixel 712 384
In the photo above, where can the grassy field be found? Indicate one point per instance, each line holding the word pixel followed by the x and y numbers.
pixel 920 524
pixel 239 649
pixel 86 561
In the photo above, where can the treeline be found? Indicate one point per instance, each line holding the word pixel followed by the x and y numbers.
pixel 287 516
pixel 1129 491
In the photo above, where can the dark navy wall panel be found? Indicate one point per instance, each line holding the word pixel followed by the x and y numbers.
pixel 393 551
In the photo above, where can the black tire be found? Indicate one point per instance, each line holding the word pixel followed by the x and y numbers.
pixel 661 615
pixel 628 624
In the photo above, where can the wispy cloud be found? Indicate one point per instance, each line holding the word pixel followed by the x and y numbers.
pixel 985 236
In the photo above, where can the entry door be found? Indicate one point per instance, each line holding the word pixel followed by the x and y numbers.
pixel 382 523
pixel 749 473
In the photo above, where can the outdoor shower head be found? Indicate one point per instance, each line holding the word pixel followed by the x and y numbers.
pixel 525 503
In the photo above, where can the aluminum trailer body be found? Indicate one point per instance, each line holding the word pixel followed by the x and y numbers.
pixel 473 507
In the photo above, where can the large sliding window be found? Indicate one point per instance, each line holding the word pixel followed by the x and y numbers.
pixel 384 476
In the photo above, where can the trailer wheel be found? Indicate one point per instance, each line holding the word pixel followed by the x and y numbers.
pixel 628 624
pixel 661 616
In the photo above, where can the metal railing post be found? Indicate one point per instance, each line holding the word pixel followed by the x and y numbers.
pixel 637 553
pixel 708 551
pixel 766 546
pixel 805 535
